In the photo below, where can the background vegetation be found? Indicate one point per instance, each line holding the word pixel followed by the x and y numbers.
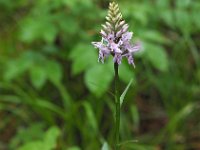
pixel 55 95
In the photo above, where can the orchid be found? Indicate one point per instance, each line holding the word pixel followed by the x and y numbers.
pixel 116 39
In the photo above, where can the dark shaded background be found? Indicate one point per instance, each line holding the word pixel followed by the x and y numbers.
pixel 55 95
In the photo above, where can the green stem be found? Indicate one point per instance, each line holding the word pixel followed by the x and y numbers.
pixel 117 111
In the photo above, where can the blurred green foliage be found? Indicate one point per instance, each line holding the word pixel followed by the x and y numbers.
pixel 55 95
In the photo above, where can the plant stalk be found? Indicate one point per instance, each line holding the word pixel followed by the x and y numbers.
pixel 117 107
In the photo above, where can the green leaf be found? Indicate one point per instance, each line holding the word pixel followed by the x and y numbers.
pixel 168 17
pixel 73 4
pixel 30 29
pixel 17 67
pixel 25 135
pixel 183 3
pixel 135 116
pixel 40 27
pixel 35 145
pixel 195 18
pixel 105 146
pixel 54 71
pixel 157 56
pixel 38 76
pixel 91 117
pixel 68 25
pixel 124 93
pixel 181 115
pixel 50 139
pixel 74 148
pixel 134 146
pixel 126 72
pixel 162 4
pixel 49 33
pixel 45 104
pixel 98 78
pixel 154 36
pixel 82 56
pixel 183 21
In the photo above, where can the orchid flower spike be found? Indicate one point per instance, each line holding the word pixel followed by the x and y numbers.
pixel 116 39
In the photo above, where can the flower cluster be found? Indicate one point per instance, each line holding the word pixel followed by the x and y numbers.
pixel 116 40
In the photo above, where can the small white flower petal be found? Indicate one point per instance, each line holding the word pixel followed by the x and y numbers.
pixel 134 48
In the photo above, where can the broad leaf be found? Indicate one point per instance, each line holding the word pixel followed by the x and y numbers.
pixel 126 73
pixel 157 56
pixel 54 71
pixel 50 139
pixel 82 56
pixel 98 78
pixel 38 76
